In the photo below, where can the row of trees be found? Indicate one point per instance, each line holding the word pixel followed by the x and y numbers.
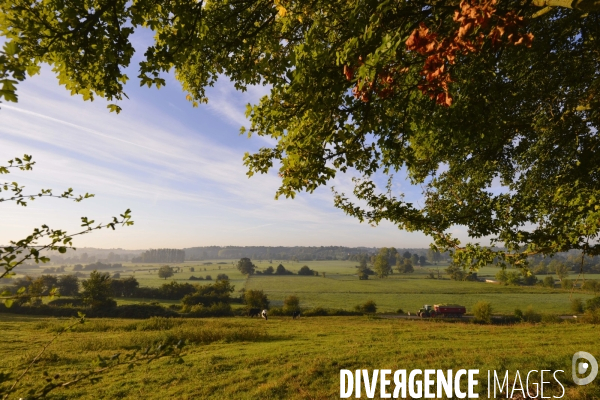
pixel 160 256
pixel 388 259
pixel 246 267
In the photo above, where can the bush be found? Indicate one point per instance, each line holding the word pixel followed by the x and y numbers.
pixel 482 311
pixel 222 277
pixel 591 286
pixel 256 299
pixel 305 270
pixel 282 271
pixel 210 294
pixel 138 311
pixel 591 316
pixel 291 304
pixel 514 278
pixel 194 278
pixel 316 312
pixel 369 307
pixel 530 315
pixel 593 304
pixel 518 314
pixel 215 310
pixel 551 319
pixel 530 280
pixel 208 278
pixel 277 312
pixel 549 282
pixel 577 306
pixel 566 284
pixel 399 311
pixel 65 302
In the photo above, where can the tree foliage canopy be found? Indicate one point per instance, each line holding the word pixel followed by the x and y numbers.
pixel 463 97
pixel 245 266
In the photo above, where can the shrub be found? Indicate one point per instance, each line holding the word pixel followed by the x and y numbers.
pixel 222 277
pixel 591 316
pixel 97 291
pixel 514 278
pixel 591 286
pixel 519 314
pixel 316 312
pixel 593 304
pixel 277 312
pixel 577 306
pixel 194 278
pixel 305 270
pixel 65 302
pixel 291 304
pixel 482 311
pixel 530 280
pixel 282 271
pixel 68 285
pixel 256 299
pixel 549 282
pixel 530 315
pixel 215 310
pixel 369 307
pixel 566 284
pixel 210 294
pixel 551 319
pixel 399 311
pixel 208 278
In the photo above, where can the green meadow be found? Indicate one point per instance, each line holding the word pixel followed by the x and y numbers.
pixel 341 289
pixel 241 358
pixel 244 358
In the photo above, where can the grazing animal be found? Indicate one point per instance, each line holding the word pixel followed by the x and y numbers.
pixel 296 314
pixel 264 314
pixel 254 312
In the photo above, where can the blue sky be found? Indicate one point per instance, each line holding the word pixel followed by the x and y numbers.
pixel 177 167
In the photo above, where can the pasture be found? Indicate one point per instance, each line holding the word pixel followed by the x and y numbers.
pixel 409 294
pixel 280 358
pixel 341 289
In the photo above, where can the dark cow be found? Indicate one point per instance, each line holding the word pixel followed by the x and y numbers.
pixel 296 314
pixel 254 312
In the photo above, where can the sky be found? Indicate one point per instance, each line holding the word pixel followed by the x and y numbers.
pixel 178 168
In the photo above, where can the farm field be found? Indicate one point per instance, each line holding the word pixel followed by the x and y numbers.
pixel 341 289
pixel 396 293
pixel 283 358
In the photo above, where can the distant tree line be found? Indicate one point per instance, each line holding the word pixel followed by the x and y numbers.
pixel 293 254
pixel 247 267
pixel 160 256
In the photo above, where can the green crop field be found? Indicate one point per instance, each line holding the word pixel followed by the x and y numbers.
pixel 241 358
pixel 409 294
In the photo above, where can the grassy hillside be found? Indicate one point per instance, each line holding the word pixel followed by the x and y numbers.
pixel 241 358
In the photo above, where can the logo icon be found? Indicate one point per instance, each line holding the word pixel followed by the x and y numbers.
pixel 583 367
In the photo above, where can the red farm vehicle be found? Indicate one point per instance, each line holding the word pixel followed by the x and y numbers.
pixel 442 310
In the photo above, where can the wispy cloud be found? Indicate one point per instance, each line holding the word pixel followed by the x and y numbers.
pixel 179 170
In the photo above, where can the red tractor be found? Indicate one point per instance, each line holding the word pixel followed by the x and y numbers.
pixel 442 310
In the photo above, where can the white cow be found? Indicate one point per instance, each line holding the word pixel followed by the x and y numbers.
pixel 264 314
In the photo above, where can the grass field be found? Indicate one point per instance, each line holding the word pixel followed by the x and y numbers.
pixel 341 289
pixel 409 294
pixel 240 358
